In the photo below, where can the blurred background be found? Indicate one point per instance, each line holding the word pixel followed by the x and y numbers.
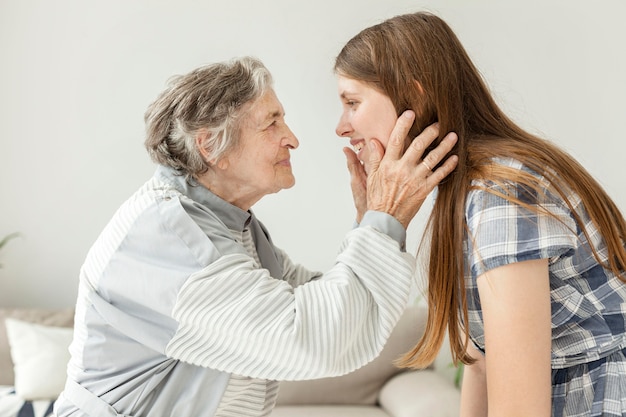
pixel 76 77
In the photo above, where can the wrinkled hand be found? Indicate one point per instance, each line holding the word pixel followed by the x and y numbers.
pixel 398 184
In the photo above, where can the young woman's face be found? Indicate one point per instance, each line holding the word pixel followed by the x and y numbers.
pixel 367 114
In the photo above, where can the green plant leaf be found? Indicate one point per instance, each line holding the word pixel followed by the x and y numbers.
pixel 458 376
pixel 6 239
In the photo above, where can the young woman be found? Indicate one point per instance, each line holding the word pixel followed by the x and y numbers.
pixel 536 306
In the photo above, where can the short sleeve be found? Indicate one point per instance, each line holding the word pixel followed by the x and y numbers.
pixel 501 231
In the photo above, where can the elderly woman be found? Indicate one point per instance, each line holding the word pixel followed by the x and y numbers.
pixel 185 306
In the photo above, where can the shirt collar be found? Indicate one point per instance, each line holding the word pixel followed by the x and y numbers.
pixel 233 217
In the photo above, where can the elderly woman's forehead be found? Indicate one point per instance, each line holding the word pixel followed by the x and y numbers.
pixel 265 108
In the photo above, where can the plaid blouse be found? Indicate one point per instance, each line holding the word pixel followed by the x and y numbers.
pixel 587 301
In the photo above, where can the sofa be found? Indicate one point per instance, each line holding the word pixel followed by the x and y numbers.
pixel 33 353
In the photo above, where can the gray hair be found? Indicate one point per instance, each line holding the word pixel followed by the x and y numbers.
pixel 208 98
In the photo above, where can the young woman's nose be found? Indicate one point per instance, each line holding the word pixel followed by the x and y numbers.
pixel 343 128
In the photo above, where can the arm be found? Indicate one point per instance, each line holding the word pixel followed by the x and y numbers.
pixel 295 274
pixel 474 387
pixel 236 318
pixel 515 301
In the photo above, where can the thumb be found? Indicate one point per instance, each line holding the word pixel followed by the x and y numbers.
pixel 356 169
pixel 376 154
pixel 353 162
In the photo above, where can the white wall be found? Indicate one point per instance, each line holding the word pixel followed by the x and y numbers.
pixel 76 77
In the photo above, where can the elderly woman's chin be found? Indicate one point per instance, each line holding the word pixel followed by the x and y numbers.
pixel 281 180
pixel 284 177
pixel 288 182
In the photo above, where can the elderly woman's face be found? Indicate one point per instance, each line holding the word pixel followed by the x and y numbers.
pixel 261 164
pixel 367 114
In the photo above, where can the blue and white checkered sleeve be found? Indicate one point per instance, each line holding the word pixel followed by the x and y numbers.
pixel 502 231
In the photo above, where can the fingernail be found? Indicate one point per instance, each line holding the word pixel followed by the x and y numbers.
pixel 408 114
pixel 372 146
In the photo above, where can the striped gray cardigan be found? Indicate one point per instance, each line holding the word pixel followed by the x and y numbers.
pixel 186 308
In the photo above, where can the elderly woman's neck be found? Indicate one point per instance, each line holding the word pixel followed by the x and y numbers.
pixel 235 193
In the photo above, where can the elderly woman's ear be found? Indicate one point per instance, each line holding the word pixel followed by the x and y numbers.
pixel 202 139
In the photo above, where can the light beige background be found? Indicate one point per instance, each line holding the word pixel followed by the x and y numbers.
pixel 76 77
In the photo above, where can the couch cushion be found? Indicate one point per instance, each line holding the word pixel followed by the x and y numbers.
pixel 361 386
pixel 60 318
pixel 40 355
pixel 328 411
pixel 420 393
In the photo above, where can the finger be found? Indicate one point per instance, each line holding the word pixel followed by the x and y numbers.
pixel 352 160
pixel 435 156
pixel 377 153
pixel 417 147
pixel 358 182
pixel 395 145
pixel 356 169
pixel 441 172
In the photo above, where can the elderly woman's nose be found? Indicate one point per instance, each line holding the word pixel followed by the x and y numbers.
pixel 290 140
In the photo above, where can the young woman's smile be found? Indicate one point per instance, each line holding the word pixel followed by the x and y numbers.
pixel 367 114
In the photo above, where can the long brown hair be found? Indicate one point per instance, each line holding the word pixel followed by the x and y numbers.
pixel 417 60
